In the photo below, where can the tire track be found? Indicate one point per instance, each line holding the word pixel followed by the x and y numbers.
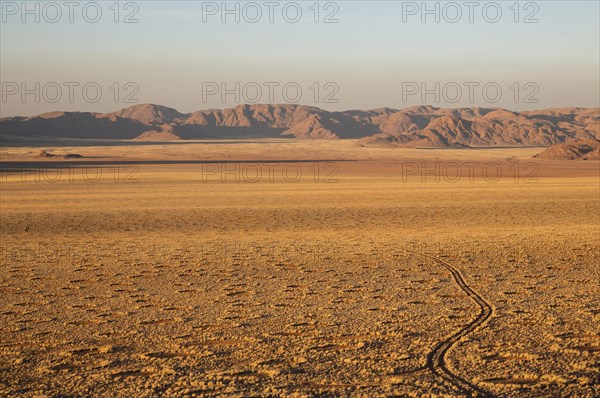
pixel 436 359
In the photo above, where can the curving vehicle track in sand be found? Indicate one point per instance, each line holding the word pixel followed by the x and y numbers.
pixel 436 359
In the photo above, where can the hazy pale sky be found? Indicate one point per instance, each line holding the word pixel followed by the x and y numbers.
pixel 378 54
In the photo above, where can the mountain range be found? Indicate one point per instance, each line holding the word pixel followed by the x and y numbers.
pixel 420 126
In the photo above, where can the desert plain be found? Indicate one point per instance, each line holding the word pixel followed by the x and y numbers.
pixel 277 267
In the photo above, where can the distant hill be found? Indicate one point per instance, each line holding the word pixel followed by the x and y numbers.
pixel 150 114
pixel 574 150
pixel 421 126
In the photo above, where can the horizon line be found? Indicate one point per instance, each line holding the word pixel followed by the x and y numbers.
pixel 304 106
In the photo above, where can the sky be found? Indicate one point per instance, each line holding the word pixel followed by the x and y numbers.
pixel 337 55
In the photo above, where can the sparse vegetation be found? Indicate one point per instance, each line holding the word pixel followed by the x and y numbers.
pixel 176 287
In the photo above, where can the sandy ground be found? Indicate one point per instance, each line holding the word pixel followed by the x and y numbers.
pixel 354 272
pixel 259 150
